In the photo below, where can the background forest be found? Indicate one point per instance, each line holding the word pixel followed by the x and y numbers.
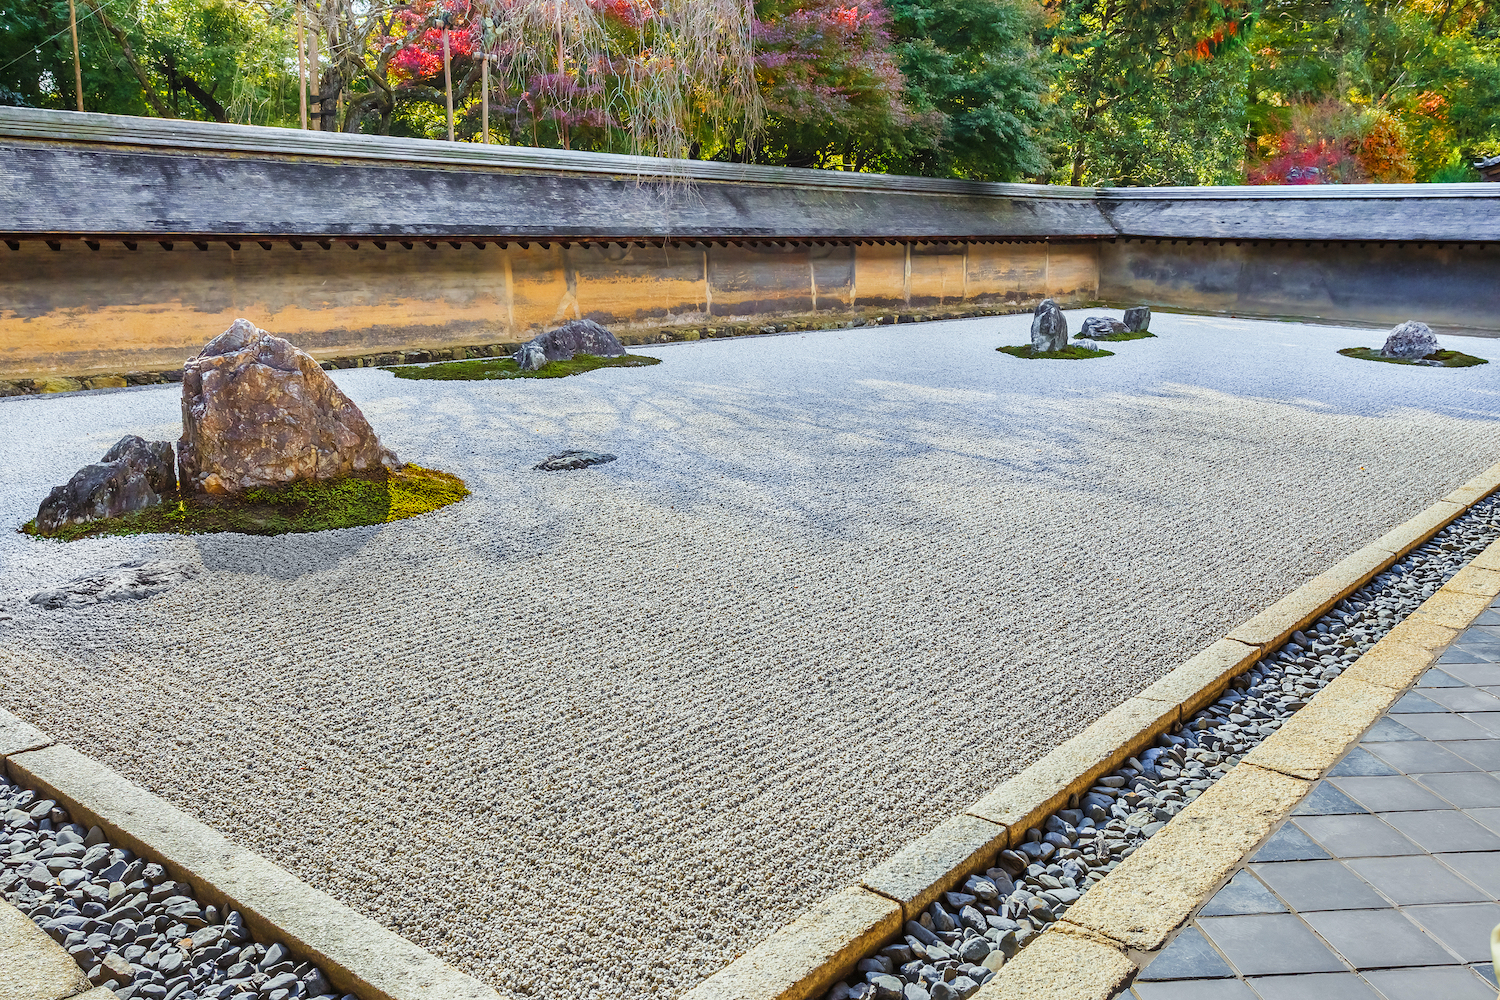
pixel 1097 92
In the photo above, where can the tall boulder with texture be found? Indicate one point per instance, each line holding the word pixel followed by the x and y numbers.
pixel 1049 328
pixel 258 412
pixel 132 475
pixel 578 336
pixel 1137 318
pixel 1409 341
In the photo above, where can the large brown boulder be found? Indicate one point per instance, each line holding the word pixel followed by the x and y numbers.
pixel 258 412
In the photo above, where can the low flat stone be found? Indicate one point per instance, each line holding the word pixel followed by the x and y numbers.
pixel 1101 326
pixel 132 581
pixel 573 459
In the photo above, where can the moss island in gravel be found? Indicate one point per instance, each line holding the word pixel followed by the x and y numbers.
pixel 488 368
pixel 292 509
pixel 1445 359
pixel 1069 353
pixel 1115 338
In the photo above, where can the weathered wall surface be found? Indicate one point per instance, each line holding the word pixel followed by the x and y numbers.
pixel 79 311
pixel 1454 288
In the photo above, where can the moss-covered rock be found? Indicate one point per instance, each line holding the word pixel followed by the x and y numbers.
pixel 1437 359
pixel 491 368
pixel 1069 353
pixel 378 498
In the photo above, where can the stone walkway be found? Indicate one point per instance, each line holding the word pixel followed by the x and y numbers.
pixel 1385 881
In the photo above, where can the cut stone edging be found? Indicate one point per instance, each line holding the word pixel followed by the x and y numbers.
pixel 356 954
pixel 1154 891
pixel 806 957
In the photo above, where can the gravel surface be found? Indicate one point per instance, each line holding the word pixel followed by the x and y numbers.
pixel 967 935
pixel 132 927
pixel 597 732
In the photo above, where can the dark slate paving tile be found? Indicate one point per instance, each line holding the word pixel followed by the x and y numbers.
pixel 1415 879
pixel 1377 939
pixel 1456 983
pixel 1317 986
pixel 1483 869
pixel 1289 844
pixel 1480 632
pixel 1423 757
pixel 1356 836
pixel 1464 699
pixel 1413 702
pixel 1189 956
pixel 1481 646
pixel 1455 655
pixel 1360 761
pixel 1474 673
pixel 1435 678
pixel 1487 818
pixel 1490 617
pixel 1443 726
pixel 1485 971
pixel 1465 789
pixel 1463 927
pixel 1270 943
pixel 1318 885
pixel 1385 793
pixel 1388 730
pixel 1444 831
pixel 1243 894
pixel 1489 720
pixel 1197 989
pixel 1485 753
pixel 1326 800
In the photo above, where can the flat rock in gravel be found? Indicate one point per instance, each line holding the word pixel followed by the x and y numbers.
pixel 1101 326
pixel 1409 341
pixel 579 336
pixel 132 475
pixel 573 459
pixel 132 581
pixel 1049 327
pixel 258 412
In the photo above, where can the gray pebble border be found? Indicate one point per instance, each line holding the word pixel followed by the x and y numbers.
pixel 127 923
pixel 965 937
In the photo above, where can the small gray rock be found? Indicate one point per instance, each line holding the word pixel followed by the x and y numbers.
pixel 974 950
pixel 886 987
pixel 1049 328
pixel 1137 318
pixel 1086 344
pixel 1409 341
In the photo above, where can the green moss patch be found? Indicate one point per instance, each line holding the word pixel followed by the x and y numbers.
pixel 1446 359
pixel 1127 335
pixel 1069 353
pixel 290 509
pixel 487 368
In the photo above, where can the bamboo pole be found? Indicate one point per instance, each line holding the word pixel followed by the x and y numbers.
pixel 485 113
pixel 301 71
pixel 314 74
pixel 77 64
pixel 448 80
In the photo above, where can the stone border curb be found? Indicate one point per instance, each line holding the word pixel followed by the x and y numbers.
pixel 1138 906
pixel 971 841
pixel 35 967
pixel 357 954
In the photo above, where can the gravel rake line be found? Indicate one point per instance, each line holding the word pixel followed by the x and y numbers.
pixel 127 923
pixel 966 936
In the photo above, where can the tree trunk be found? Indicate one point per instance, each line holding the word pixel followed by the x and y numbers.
pixel 152 97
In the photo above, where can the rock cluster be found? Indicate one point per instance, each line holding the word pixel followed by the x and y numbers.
pixel 258 412
pixel 1049 328
pixel 967 935
pixel 1410 341
pixel 579 336
pixel 132 475
pixel 131 926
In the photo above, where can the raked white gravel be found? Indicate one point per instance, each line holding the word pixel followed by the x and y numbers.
pixel 593 734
